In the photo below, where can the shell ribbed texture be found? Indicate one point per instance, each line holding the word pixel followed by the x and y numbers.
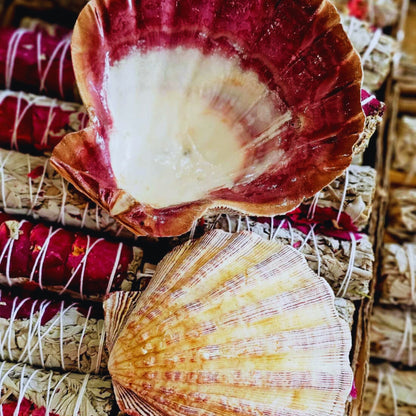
pixel 233 324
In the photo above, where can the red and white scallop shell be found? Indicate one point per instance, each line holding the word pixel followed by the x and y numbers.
pixel 250 105
pixel 230 324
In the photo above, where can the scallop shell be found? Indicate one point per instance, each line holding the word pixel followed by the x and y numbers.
pixel 249 105
pixel 230 324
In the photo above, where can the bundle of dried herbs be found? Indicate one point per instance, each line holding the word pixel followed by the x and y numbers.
pixel 375 48
pixel 393 334
pixel 398 283
pixel 402 214
pixel 390 392
pixel 405 145
pixel 352 193
pixel 346 264
pixel 51 334
pixel 33 123
pixel 64 261
pixel 31 186
pixel 25 390
pixel 36 61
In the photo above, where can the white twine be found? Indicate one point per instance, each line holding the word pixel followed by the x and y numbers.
pixel 368 100
pixel 82 264
pixel 81 339
pixel 29 332
pixel 247 223
pixel 19 115
pixel 84 214
pixel 315 244
pixel 411 262
pixel 100 350
pixel 115 266
pixel 30 179
pixel 372 45
pixel 40 259
pixel 62 47
pixel 23 388
pixel 81 394
pixel 407 340
pixel 3 185
pixel 230 228
pixel 7 335
pixel 12 48
pixel 4 378
pixel 51 116
pixel 193 228
pixel 347 278
pixel 344 195
pixel 50 398
pixel 239 223
pixel 61 217
pixel 42 178
pixel 314 204
pixel 97 218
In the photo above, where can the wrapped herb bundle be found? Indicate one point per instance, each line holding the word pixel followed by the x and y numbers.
pixel 51 334
pixel 398 283
pixel 346 310
pixel 378 13
pixel 390 392
pixel 31 186
pixel 375 48
pixel 346 264
pixel 25 390
pixel 64 261
pixel 352 193
pixel 393 335
pixel 405 145
pixel 402 214
pixel 32 123
pixel 35 61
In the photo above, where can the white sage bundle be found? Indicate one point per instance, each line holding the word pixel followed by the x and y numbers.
pixel 405 145
pixel 375 49
pixel 398 283
pixel 402 214
pixel 346 265
pixel 24 389
pixel 352 193
pixel 393 335
pixel 51 334
pixel 346 310
pixel 31 186
pixel 390 392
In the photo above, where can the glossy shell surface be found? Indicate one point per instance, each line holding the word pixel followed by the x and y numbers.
pixel 267 91
pixel 230 324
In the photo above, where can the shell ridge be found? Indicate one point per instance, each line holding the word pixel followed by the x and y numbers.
pixel 229 406
pixel 202 331
pixel 132 403
pixel 117 309
pixel 236 242
pixel 163 277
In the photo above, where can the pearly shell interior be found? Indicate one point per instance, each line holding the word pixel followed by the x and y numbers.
pixel 230 324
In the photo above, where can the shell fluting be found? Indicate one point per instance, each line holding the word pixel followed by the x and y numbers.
pixel 232 324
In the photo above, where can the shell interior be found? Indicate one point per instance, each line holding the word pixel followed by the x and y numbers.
pixel 232 324
pixel 250 105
